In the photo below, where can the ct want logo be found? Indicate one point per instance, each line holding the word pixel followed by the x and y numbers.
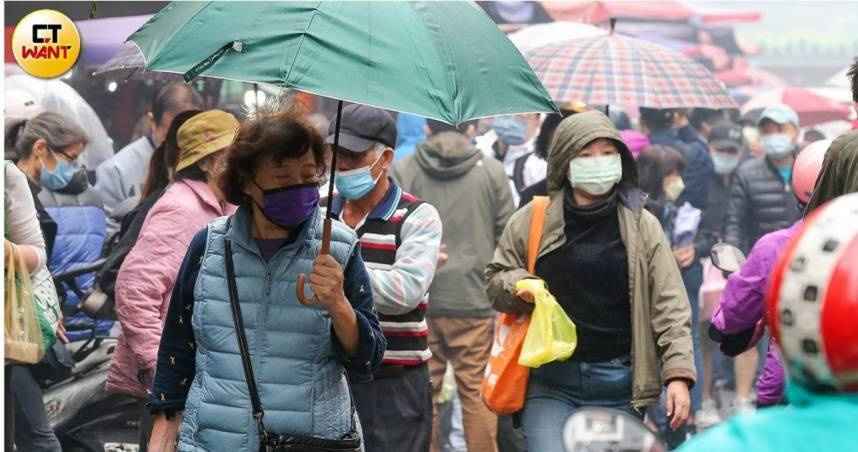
pixel 46 43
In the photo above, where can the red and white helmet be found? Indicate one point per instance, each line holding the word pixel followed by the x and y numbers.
pixel 813 299
pixel 806 169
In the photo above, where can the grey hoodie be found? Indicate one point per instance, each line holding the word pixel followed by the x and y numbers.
pixel 472 195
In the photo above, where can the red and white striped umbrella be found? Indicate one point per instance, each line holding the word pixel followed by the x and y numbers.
pixel 812 108
pixel 620 70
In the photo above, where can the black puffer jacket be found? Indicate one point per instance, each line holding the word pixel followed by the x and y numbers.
pixel 760 202
pixel 711 230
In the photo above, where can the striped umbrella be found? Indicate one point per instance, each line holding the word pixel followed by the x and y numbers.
pixel 620 70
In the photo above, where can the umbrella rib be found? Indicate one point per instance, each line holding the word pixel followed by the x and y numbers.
pixel 168 40
pixel 288 76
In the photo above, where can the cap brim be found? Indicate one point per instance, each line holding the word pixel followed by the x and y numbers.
pixel 351 143
pixel 723 144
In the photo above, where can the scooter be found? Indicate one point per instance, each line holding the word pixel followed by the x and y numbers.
pixel 593 429
pixel 84 416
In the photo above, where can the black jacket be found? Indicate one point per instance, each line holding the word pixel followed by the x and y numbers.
pixel 711 229
pixel 698 163
pixel 760 202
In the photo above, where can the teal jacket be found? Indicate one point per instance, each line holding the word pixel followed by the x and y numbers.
pixel 811 423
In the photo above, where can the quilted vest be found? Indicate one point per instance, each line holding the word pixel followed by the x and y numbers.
pixel 300 379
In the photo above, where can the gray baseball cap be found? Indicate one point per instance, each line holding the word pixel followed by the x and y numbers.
pixel 362 126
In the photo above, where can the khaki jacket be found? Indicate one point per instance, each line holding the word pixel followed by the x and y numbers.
pixel 661 314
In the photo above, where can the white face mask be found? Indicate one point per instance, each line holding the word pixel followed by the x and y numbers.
pixel 595 175
pixel 674 188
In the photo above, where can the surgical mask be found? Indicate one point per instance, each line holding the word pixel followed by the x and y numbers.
pixel 510 130
pixel 289 207
pixel 725 163
pixel 59 178
pixel 595 175
pixel 674 188
pixel 356 183
pixel 777 145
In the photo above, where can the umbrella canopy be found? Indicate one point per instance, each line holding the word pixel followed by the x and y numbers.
pixel 442 60
pixel 541 34
pixel 812 108
pixel 619 70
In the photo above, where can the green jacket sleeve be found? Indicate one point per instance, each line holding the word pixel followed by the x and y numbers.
pixel 508 265
pixel 670 308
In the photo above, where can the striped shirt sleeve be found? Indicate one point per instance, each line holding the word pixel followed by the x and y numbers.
pixel 400 288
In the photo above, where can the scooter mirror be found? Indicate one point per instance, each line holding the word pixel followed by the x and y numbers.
pixel 594 429
pixel 727 258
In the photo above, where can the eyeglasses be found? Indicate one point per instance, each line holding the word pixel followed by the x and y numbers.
pixel 64 155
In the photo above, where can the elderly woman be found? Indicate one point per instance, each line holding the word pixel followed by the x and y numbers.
pixel 606 260
pixel 298 354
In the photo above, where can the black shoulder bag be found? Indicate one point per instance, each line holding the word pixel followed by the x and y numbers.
pixel 275 442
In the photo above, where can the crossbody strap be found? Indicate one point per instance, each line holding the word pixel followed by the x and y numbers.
pixel 255 403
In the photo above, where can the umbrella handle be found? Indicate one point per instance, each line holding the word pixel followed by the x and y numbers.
pixel 326 247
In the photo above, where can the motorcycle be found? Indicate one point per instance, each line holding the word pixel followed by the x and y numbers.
pixel 592 429
pixel 84 416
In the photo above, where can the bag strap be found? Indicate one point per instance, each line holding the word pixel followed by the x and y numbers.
pixel 537 222
pixel 255 403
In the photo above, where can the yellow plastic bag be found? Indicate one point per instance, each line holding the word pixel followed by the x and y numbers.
pixel 551 335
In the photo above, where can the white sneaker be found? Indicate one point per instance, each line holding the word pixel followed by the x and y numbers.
pixel 741 406
pixel 707 416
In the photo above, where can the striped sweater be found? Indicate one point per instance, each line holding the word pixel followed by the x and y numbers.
pixel 400 239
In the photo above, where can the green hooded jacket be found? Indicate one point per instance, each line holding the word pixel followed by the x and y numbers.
pixel 839 174
pixel 473 198
pixel 661 313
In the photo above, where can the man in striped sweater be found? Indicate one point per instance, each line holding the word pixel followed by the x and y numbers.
pixel 400 237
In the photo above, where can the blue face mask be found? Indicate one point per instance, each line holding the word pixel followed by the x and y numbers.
pixel 356 183
pixel 725 163
pixel 59 178
pixel 777 145
pixel 510 130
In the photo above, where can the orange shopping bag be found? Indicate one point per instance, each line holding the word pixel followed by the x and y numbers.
pixel 505 380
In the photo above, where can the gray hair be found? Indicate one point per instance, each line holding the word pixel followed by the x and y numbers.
pixel 58 130
pixel 380 147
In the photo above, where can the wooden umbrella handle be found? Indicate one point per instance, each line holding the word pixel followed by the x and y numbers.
pixel 326 248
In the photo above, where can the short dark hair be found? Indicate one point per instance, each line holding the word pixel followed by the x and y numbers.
pixel 437 127
pixel 853 77
pixel 705 115
pixel 654 164
pixel 657 119
pixel 194 172
pixel 175 97
pixel 281 134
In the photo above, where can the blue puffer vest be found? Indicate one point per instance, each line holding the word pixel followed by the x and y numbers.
pixel 301 382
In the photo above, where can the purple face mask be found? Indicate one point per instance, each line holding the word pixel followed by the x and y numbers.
pixel 290 206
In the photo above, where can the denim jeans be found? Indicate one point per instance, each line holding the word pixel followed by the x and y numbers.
pixel 692 277
pixel 33 432
pixel 557 389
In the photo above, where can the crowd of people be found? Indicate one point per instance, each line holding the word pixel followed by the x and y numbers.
pixel 210 225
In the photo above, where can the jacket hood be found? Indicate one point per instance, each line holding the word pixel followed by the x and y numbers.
pixel 839 174
pixel 576 132
pixel 448 155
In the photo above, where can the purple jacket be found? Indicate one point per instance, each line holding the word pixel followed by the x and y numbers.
pixel 743 306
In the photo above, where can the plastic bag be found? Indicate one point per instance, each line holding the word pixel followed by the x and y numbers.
pixel 22 334
pixel 551 335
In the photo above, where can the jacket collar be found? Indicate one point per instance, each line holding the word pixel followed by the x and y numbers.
pixel 240 222
pixel 205 195
pixel 382 211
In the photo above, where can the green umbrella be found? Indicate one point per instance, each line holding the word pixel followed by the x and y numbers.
pixel 442 60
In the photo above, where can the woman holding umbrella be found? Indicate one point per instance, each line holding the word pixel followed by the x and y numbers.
pixel 237 337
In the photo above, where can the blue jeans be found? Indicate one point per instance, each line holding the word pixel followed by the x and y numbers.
pixel 692 277
pixel 557 389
